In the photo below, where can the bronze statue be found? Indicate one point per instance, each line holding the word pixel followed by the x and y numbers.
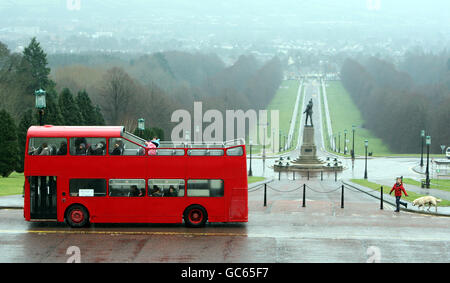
pixel 309 112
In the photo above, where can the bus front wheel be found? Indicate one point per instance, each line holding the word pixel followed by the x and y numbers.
pixel 77 216
pixel 195 216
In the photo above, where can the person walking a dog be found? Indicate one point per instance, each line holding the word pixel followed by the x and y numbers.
pixel 398 188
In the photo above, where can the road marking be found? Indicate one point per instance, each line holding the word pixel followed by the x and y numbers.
pixel 314 236
pixel 120 233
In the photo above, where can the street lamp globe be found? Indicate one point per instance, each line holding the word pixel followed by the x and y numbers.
pixel 366 143
pixel 428 140
pixel 422 133
pixel 141 124
pixel 40 98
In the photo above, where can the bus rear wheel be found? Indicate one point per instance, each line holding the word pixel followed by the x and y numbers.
pixel 195 216
pixel 77 216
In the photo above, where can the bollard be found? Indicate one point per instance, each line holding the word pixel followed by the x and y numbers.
pixel 308 175
pixel 342 197
pixel 279 175
pixel 304 197
pixel 265 194
pixel 335 176
pixel 293 175
pixel 321 175
pixel 381 198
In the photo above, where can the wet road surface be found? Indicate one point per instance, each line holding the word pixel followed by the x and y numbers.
pixel 284 231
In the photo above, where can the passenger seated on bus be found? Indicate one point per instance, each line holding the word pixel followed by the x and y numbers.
pixel 156 192
pixel 81 149
pixel 53 149
pixel 97 149
pixel 79 141
pixel 45 149
pixel 117 148
pixel 62 148
pixel 135 192
pixel 172 192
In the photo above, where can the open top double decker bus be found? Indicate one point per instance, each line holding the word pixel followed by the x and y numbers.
pixel 94 174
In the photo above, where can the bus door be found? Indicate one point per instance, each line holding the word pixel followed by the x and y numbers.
pixel 43 197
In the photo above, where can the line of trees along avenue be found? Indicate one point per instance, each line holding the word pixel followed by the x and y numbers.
pixel 398 101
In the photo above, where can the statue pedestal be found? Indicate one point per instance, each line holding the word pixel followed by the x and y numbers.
pixel 308 152
pixel 308 160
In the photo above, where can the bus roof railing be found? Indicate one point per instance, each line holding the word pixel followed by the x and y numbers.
pixel 205 144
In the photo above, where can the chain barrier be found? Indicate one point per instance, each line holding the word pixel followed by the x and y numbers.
pixel 257 188
pixel 356 191
pixel 280 191
pixel 342 187
pixel 332 191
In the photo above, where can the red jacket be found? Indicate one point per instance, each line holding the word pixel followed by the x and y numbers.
pixel 398 190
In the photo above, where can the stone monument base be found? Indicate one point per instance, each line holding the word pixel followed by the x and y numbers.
pixel 308 160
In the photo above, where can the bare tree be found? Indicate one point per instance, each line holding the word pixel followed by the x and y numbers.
pixel 118 94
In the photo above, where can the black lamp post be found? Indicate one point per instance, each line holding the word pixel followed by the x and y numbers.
pixel 279 140
pixel 250 173
pixel 353 146
pixel 366 145
pixel 422 134
pixel 40 103
pixel 345 142
pixel 339 149
pixel 427 172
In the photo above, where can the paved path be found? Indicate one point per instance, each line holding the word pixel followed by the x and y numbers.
pixel 14 201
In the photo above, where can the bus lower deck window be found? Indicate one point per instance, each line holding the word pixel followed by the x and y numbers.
pixel 205 188
pixel 87 187
pixel 166 187
pixel 126 187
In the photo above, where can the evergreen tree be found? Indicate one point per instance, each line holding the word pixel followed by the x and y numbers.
pixel 9 149
pixel 25 123
pixel 35 62
pixel 69 109
pixel 99 120
pixel 87 110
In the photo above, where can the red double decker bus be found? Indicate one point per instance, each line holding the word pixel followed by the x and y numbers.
pixel 86 174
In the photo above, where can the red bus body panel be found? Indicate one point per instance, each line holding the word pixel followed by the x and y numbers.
pixel 232 207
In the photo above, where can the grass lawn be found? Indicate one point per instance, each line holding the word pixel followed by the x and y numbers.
pixel 12 185
pixel 284 102
pixel 411 195
pixel 439 184
pixel 255 179
pixel 343 114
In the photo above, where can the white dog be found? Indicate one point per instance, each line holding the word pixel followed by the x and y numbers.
pixel 430 200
